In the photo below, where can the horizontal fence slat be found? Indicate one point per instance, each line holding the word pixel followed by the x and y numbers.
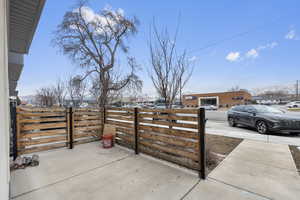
pixel 109 114
pixel 44 140
pixel 128 139
pixel 44 133
pixel 27 109
pixel 168 131
pixel 88 128
pixel 82 118
pixel 43 126
pixel 125 130
pixel 166 123
pixel 42 148
pixel 117 123
pixel 187 111
pixel 171 117
pixel 81 135
pixel 120 109
pixel 168 140
pixel 174 159
pixel 120 118
pixel 45 114
pixel 88 122
pixel 170 149
pixel 56 119
pixel 87 114
pixel 87 110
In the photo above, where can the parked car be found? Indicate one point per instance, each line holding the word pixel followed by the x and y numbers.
pixel 294 104
pixel 209 107
pixel 264 118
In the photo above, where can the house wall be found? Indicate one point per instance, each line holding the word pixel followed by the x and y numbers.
pixel 4 103
pixel 224 98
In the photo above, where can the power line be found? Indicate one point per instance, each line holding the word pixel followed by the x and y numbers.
pixel 232 37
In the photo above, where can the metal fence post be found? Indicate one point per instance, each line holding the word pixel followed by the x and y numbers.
pixel 104 115
pixel 201 136
pixel 13 115
pixel 71 126
pixel 136 131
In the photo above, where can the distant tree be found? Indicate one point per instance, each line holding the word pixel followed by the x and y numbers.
pixel 93 41
pixel 45 97
pixel 59 90
pixel 170 69
pixel 76 90
pixel 237 89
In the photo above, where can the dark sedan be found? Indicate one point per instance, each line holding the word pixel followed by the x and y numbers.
pixel 264 118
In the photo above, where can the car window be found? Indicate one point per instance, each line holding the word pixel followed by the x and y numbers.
pixel 238 108
pixel 249 109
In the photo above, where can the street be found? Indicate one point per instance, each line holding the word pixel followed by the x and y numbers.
pixel 217 124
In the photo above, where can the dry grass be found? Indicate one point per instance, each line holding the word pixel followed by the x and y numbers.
pixel 296 156
pixel 217 148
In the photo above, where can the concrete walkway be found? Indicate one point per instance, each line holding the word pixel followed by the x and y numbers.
pixel 254 170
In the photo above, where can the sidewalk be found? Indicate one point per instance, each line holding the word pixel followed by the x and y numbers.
pixel 254 170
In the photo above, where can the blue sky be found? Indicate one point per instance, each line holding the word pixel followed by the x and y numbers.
pixel 247 43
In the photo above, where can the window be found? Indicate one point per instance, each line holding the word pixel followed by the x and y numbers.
pixel 249 109
pixel 239 108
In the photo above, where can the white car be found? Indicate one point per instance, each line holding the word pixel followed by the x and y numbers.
pixel 294 104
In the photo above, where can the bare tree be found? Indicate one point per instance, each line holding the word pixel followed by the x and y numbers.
pixel 76 88
pixel 59 90
pixel 112 95
pixel 170 70
pixel 45 97
pixel 93 40
pixel 236 89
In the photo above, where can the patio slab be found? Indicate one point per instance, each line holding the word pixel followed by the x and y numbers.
pixel 60 164
pixel 125 177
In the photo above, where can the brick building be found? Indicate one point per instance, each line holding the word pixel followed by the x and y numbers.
pixel 221 99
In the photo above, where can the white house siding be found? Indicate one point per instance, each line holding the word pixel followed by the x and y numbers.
pixel 4 104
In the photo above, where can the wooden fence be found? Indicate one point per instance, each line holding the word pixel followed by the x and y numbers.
pixel 40 129
pixel 175 135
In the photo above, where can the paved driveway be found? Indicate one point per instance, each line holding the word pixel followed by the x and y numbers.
pixel 222 128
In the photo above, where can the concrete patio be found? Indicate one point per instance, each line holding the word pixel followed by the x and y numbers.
pixel 250 172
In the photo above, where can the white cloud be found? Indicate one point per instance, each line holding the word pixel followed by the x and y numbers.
pixel 100 22
pixel 291 35
pixel 252 53
pixel 193 58
pixel 233 56
pixel 267 46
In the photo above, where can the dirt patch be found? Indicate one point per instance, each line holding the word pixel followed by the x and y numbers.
pixel 217 148
pixel 296 156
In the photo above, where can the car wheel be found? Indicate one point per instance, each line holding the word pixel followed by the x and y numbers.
pixel 262 127
pixel 231 122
